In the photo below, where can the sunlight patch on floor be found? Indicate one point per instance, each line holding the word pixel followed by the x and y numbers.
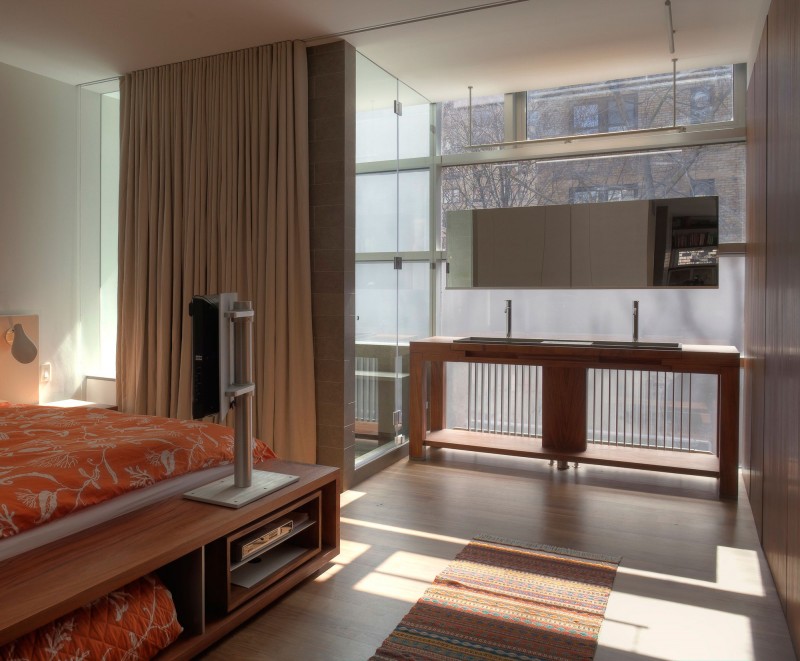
pixel 737 571
pixel 404 531
pixel 649 626
pixel 329 573
pixel 392 587
pixel 349 551
pixel 412 565
pixel 347 497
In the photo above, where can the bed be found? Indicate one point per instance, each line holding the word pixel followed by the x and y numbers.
pixel 67 473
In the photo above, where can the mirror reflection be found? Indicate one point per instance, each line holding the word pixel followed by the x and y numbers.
pixel 631 244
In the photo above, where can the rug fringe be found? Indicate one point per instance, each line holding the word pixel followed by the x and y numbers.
pixel 616 559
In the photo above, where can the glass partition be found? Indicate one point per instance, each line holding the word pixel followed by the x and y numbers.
pixel 393 275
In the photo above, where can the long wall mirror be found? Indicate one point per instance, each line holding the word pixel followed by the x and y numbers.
pixel 631 244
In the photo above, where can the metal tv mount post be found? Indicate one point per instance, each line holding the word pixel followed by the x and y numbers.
pixel 236 389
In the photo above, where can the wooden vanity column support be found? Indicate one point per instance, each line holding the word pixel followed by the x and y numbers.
pixel 564 404
pixel 563 421
pixel 420 369
pixel 728 428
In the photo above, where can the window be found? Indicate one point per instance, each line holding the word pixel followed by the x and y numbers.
pixel 704 96
pixel 99 204
pixel 606 115
pixel 488 117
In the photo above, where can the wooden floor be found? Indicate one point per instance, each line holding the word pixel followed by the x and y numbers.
pixel 693 583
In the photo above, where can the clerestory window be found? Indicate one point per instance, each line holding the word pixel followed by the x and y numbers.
pixel 605 115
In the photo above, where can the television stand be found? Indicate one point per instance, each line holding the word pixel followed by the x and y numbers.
pixel 188 543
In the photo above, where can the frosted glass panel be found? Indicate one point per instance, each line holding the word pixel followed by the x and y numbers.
pixel 380 199
pixel 376 212
pixel 414 210
pixel 414 295
pixel 376 302
pixel 390 301
pixel 692 316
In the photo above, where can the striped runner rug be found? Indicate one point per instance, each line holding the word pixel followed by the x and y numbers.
pixel 503 599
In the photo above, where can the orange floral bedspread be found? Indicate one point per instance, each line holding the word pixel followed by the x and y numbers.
pixel 54 461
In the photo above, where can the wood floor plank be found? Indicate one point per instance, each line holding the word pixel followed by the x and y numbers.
pixel 693 583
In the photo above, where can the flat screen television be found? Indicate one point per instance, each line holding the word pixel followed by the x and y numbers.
pixel 205 314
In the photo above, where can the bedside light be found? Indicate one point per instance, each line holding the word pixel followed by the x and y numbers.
pixel 23 350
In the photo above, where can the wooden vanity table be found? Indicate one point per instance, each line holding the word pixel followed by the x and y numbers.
pixel 564 403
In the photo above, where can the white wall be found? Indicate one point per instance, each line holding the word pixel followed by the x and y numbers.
pixel 38 218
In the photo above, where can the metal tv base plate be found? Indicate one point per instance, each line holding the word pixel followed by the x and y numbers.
pixel 224 492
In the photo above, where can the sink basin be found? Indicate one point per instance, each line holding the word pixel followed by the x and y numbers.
pixel 604 344
pixel 668 346
pixel 498 340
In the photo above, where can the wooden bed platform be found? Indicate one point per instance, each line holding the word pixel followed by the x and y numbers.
pixel 188 544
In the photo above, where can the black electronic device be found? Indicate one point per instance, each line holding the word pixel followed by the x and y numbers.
pixel 204 312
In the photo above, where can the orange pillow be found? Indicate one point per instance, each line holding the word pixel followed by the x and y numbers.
pixel 134 622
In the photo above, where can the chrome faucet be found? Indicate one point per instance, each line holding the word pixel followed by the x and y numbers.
pixel 508 317
pixel 636 321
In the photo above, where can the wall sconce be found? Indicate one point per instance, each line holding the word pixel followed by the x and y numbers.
pixel 23 350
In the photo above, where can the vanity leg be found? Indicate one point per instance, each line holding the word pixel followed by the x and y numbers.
pixel 417 424
pixel 564 408
pixel 438 400
pixel 728 433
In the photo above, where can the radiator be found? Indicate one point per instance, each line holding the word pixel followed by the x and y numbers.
pixel 663 410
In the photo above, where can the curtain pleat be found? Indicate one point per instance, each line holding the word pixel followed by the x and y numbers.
pixel 214 198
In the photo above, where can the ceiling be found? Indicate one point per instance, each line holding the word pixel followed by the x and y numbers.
pixel 532 44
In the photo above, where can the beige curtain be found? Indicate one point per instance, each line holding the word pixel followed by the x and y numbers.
pixel 214 198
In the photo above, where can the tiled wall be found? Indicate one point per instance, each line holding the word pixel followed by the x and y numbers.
pixel 331 80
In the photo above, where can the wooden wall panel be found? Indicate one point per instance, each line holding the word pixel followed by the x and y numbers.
pixel 772 389
pixel 783 296
pixel 775 510
pixel 755 283
pixel 772 309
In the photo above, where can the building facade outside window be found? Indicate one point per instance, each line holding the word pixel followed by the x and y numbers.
pixel 605 115
pixel 603 193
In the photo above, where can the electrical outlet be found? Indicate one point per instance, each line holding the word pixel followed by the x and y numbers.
pixel 45 372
